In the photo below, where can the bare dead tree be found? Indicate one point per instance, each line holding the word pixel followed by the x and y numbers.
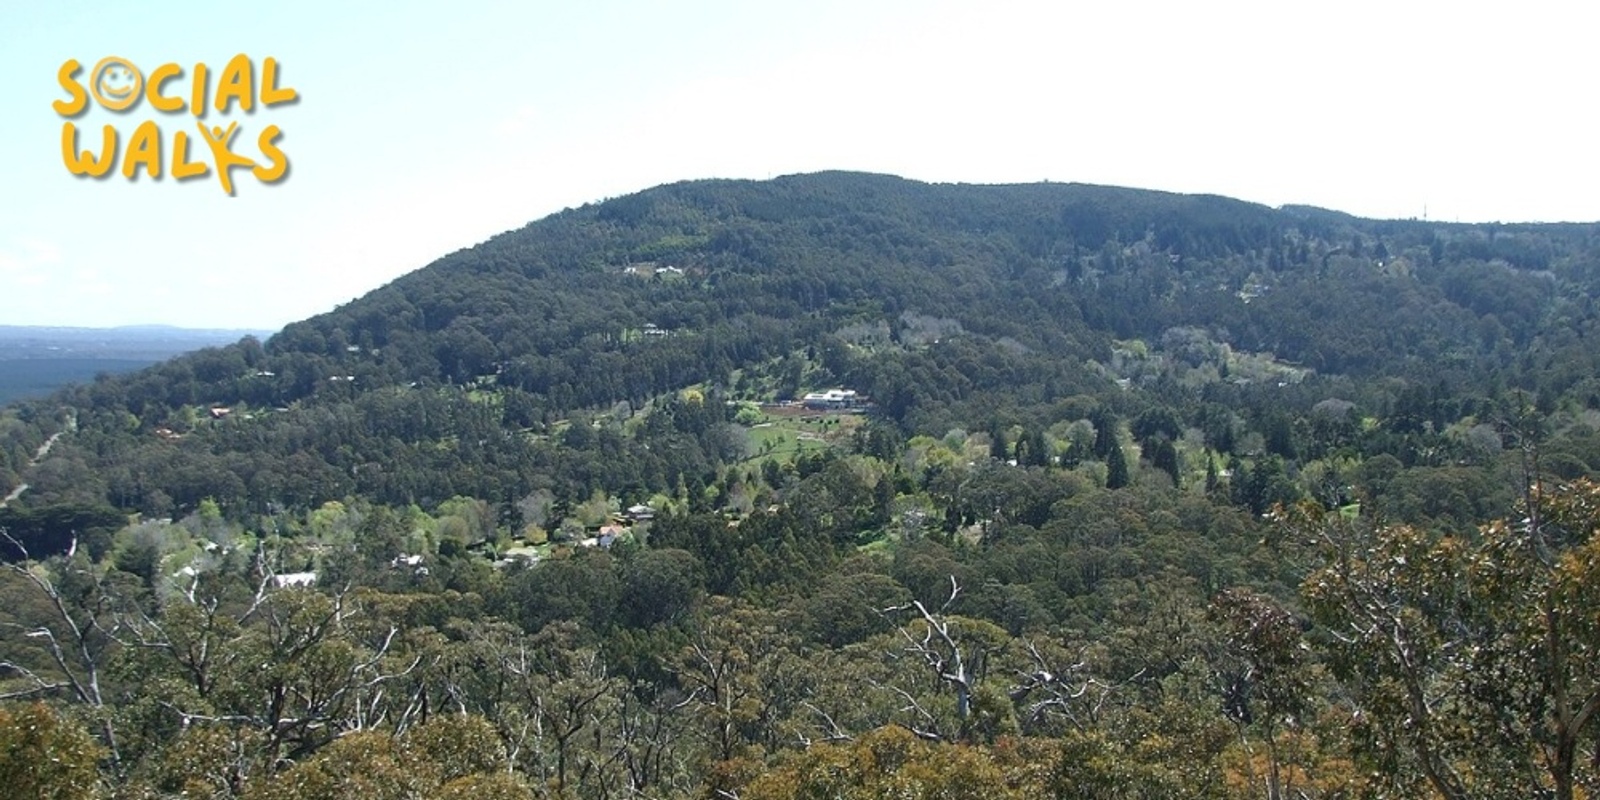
pixel 936 646
pixel 1070 691
pixel 76 641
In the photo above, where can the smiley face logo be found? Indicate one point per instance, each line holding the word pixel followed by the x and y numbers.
pixel 116 83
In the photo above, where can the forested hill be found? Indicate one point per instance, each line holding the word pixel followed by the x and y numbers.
pixel 951 305
pixel 1129 494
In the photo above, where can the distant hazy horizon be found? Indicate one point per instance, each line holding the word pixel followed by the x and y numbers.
pixel 38 359
pixel 140 326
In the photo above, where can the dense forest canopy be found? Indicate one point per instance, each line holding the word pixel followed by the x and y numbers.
pixel 1092 510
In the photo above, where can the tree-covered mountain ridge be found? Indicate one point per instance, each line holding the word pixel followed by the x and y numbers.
pixel 1038 263
pixel 1058 267
pixel 943 302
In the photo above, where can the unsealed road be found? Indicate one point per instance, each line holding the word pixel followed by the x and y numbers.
pixel 44 450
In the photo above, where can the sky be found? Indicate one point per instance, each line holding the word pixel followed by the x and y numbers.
pixel 423 128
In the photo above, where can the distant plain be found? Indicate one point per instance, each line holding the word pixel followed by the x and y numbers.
pixel 35 361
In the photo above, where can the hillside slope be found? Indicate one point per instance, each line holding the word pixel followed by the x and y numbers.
pixel 951 305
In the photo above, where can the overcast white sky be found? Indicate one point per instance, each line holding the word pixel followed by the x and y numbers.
pixel 424 128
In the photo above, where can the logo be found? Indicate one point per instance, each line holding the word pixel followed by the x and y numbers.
pixel 119 86
pixel 116 83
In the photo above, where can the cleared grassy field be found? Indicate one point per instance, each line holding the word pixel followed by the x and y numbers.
pixel 785 436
